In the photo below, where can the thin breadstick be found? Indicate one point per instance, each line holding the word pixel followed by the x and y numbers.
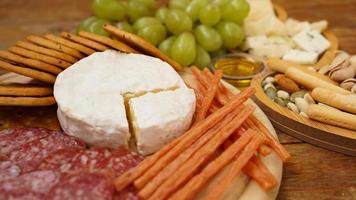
pixel 257 170
pixel 188 169
pixel 207 101
pixel 168 152
pixel 151 185
pixel 200 180
pixel 276 146
pixel 236 166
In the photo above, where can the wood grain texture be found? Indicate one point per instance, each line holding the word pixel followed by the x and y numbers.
pixel 312 172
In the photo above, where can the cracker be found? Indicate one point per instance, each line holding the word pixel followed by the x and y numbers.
pixel 25 90
pixel 27 101
pixel 53 45
pixel 37 56
pixel 84 41
pixel 46 51
pixel 108 41
pixel 68 43
pixel 42 76
pixel 141 44
pixel 35 64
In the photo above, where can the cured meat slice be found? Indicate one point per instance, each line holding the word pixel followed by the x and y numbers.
pixel 90 160
pixel 8 170
pixel 61 160
pixel 120 161
pixel 30 155
pixel 11 139
pixel 33 185
pixel 85 185
pixel 127 194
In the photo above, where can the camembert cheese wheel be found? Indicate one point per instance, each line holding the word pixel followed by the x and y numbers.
pixel 111 99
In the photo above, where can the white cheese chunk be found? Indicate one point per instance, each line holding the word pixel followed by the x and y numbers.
pixel 90 95
pixel 158 118
pixel 319 26
pixel 301 57
pixel 294 26
pixel 311 41
pixel 270 47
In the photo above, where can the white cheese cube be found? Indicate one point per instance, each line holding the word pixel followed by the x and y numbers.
pixel 301 57
pixel 294 27
pixel 311 41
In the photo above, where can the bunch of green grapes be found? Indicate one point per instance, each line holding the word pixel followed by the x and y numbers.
pixel 189 31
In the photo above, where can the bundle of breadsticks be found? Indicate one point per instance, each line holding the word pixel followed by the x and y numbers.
pixel 224 132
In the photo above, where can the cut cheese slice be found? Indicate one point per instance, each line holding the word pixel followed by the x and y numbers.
pixel 158 118
pixel 91 97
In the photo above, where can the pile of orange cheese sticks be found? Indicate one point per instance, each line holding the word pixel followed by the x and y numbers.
pixel 224 132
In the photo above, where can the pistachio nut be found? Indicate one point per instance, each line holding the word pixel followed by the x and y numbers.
pixel 271 92
pixel 300 94
pixel 282 94
pixel 301 104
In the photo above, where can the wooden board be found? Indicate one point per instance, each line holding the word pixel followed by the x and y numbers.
pixel 327 136
pixel 242 188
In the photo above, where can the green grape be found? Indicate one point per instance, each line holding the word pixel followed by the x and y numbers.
pixel 209 15
pixel 125 26
pixel 178 4
pixel 231 34
pixel 109 9
pixel 202 58
pixel 166 45
pixel 136 10
pixel 236 11
pixel 178 21
pixel 220 52
pixel 144 22
pixel 148 3
pixel 155 33
pixel 193 9
pixel 183 49
pixel 98 27
pixel 84 25
pixel 208 37
pixel 220 3
pixel 161 14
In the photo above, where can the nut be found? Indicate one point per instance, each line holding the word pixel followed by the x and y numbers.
pixel 269 85
pixel 301 104
pixel 271 92
pixel 309 99
pixel 286 83
pixel 297 94
pixel 281 102
pixel 293 107
pixel 282 94
pixel 303 114
pixel 269 79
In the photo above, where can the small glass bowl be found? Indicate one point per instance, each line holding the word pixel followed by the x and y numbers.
pixel 238 80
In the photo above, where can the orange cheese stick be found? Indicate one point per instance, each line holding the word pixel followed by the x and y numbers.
pixel 172 167
pixel 241 160
pixel 188 169
pixel 195 184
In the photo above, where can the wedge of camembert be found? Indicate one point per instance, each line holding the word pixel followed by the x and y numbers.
pixel 111 99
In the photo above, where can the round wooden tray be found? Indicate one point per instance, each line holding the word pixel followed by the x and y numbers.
pixel 327 136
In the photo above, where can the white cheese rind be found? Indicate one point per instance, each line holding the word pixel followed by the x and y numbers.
pixel 161 117
pixel 90 94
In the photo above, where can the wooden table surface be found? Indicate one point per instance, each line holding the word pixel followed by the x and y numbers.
pixel 312 173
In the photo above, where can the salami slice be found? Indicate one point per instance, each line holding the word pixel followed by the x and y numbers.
pixel 11 139
pixel 33 185
pixel 61 160
pixel 30 155
pixel 85 185
pixel 120 161
pixel 128 193
pixel 8 170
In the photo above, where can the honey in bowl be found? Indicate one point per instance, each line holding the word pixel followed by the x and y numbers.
pixel 238 68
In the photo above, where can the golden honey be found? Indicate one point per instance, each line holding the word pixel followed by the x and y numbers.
pixel 238 70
